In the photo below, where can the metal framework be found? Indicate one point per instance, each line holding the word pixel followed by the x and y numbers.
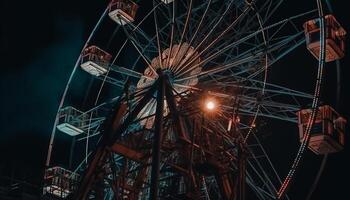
pixel 158 142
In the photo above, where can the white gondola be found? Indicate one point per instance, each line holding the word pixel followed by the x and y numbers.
pixel 167 1
pixel 122 11
pixel 334 38
pixel 71 121
pixel 59 182
pixel 95 61
pixel 327 133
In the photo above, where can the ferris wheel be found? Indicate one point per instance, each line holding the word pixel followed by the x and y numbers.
pixel 179 91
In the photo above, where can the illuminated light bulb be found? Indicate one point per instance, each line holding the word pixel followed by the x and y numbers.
pixel 210 105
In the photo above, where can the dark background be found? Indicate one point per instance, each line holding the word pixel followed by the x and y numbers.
pixel 39 43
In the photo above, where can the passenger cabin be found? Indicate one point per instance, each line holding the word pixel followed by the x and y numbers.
pixel 167 1
pixel 59 182
pixel 95 61
pixel 72 121
pixel 327 133
pixel 334 38
pixel 122 11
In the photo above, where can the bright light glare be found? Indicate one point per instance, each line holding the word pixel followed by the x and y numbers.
pixel 210 105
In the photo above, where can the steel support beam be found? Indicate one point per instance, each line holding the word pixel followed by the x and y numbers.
pixel 157 137
pixel 114 129
pixel 100 155
pixel 180 129
pixel 242 172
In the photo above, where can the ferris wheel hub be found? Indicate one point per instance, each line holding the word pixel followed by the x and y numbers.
pixel 180 59
pixel 175 57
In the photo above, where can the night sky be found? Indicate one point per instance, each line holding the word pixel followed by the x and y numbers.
pixel 39 43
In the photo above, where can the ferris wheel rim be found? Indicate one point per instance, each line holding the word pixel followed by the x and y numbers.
pixel 256 114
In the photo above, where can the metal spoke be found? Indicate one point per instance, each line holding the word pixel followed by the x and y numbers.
pixel 160 137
